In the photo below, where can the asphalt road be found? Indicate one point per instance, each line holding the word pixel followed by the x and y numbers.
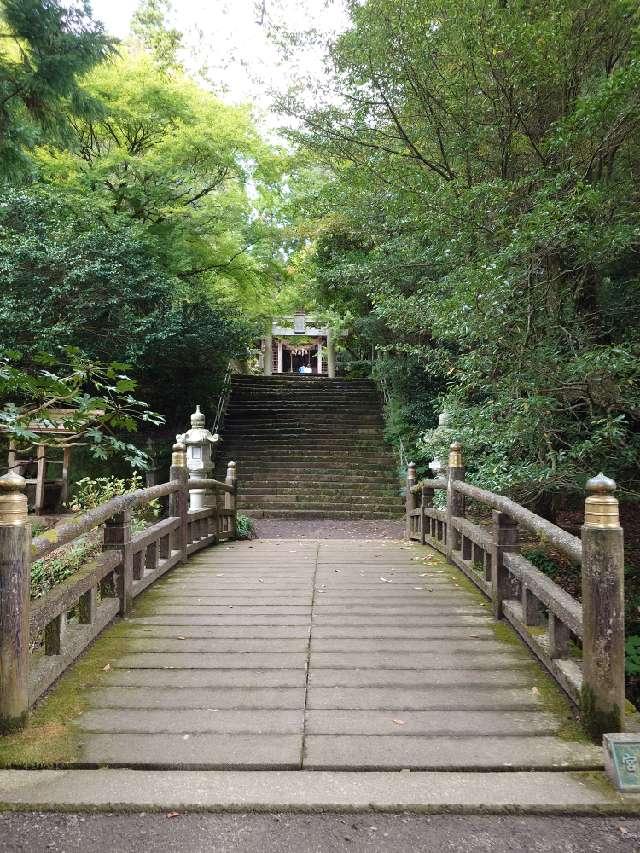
pixel 287 833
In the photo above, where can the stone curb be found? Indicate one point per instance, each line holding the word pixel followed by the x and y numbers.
pixel 300 791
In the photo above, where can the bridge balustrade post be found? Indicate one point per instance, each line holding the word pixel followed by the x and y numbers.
pixel 15 564
pixel 230 498
pixel 179 500
pixel 426 501
pixel 504 541
pixel 117 537
pixel 455 501
pixel 410 498
pixel 603 689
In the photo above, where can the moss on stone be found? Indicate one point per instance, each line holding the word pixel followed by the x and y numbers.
pixel 596 721
pixel 552 698
pixel 50 738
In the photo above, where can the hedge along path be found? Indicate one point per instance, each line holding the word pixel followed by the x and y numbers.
pixel 329 654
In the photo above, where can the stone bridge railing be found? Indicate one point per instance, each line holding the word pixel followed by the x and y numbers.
pixel 37 639
pixel 580 643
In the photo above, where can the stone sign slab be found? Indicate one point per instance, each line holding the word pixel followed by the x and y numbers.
pixel 622 760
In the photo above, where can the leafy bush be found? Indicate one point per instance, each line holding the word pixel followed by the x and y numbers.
pixel 91 493
pixel 56 567
pixel 245 528
pixel 632 655
pixel 541 560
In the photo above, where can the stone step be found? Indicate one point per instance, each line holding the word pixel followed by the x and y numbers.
pixel 300 380
pixel 304 468
pixel 321 501
pixel 329 480
pixel 279 418
pixel 310 514
pixel 557 791
pixel 291 431
pixel 278 455
pixel 307 490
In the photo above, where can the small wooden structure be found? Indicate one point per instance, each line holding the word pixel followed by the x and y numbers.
pixel 47 492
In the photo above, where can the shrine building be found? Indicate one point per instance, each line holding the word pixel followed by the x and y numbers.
pixel 297 345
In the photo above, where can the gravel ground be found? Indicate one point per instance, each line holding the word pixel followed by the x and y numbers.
pixel 255 833
pixel 327 528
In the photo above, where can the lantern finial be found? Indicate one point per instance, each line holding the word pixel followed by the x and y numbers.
pixel 197 418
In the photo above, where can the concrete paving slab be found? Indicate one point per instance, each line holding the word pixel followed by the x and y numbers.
pixel 224 599
pixel 222 632
pixel 197 751
pixel 207 678
pixel 415 661
pixel 273 613
pixel 198 697
pixel 189 645
pixel 419 620
pixel 398 698
pixel 450 645
pixel 441 723
pixel 227 619
pixel 190 721
pixel 277 791
pixel 377 752
pixel 384 677
pixel 248 660
pixel 399 632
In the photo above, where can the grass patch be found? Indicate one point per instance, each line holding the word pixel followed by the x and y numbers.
pixel 50 738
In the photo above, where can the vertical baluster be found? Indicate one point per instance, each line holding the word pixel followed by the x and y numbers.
pixel 505 541
pixel 54 634
pixel 151 557
pixel 410 499
pixel 87 607
pixel 117 537
pixel 165 547
pixel 531 609
pixel 558 638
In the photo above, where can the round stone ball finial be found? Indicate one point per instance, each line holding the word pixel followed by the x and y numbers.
pixel 197 418
pixel 455 455
pixel 13 501
pixel 601 507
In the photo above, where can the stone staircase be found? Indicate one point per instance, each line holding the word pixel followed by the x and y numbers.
pixel 309 447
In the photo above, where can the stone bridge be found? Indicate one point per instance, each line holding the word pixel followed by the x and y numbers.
pixel 334 674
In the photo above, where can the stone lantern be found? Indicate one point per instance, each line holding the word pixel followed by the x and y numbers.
pixel 199 443
pixel 439 466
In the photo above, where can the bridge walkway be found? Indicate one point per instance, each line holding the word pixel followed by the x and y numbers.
pixel 329 654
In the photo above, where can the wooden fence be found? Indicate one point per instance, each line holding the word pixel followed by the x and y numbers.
pixel 37 640
pixel 580 643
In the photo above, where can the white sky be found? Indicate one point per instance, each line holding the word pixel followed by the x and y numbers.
pixel 226 45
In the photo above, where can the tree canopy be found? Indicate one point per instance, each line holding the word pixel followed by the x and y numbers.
pixel 138 227
pixel 473 180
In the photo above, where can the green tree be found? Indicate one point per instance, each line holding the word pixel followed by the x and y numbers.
pixel 149 27
pixel 479 166
pixel 46 46
pixel 91 400
pixel 180 165
pixel 70 281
